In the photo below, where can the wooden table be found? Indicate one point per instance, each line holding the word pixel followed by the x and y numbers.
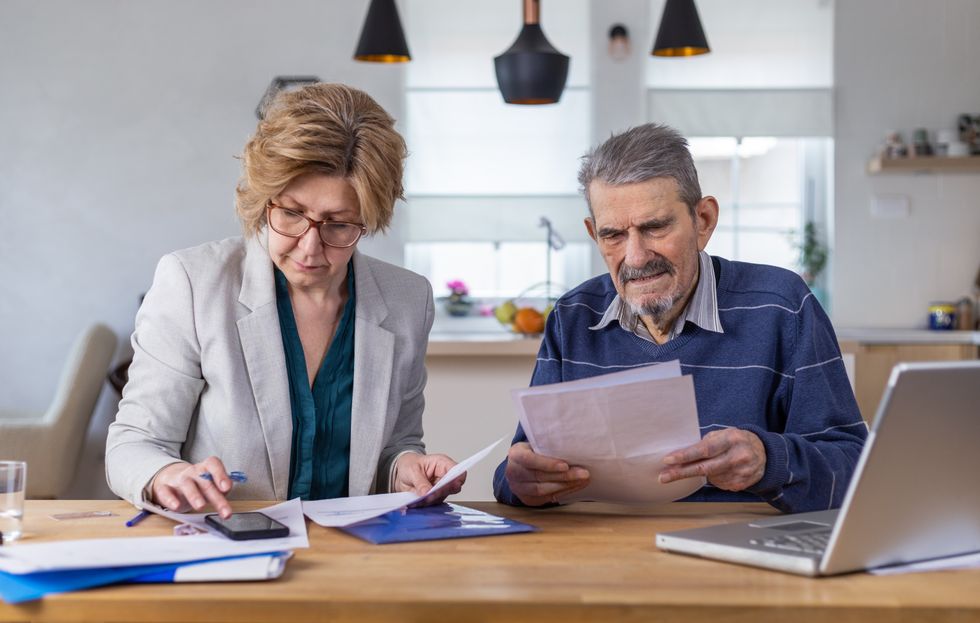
pixel 588 562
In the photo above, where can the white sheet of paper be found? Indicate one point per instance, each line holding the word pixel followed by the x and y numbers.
pixel 619 426
pixel 134 550
pixel 289 513
pixel 341 512
pixel 665 370
pixel 965 561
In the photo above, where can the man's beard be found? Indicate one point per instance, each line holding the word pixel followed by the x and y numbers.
pixel 658 307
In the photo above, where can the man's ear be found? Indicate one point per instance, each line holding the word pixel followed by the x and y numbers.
pixel 590 227
pixel 705 220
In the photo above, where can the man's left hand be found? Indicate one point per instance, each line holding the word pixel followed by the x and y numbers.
pixel 731 459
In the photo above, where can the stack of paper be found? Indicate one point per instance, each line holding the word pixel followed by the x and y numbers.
pixel 29 571
pixel 619 426
pixel 340 512
pixel 396 518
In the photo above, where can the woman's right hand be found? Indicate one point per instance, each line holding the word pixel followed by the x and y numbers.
pixel 180 487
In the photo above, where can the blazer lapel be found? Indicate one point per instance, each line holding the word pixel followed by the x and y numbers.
pixel 374 348
pixel 265 360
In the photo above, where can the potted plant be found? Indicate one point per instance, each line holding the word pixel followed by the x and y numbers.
pixel 813 254
pixel 812 261
pixel 458 303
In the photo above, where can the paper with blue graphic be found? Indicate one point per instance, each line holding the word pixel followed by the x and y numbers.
pixel 443 521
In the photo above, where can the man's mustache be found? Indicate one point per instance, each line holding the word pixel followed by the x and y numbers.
pixel 655 266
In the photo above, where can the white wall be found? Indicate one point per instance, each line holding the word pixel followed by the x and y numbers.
pixel 902 64
pixel 618 86
pixel 120 124
pixel 121 119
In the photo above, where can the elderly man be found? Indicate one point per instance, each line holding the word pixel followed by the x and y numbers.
pixel 778 418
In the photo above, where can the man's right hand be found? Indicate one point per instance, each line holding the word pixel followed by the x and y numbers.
pixel 537 479
pixel 179 486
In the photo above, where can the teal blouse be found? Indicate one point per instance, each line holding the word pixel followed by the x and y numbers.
pixel 319 464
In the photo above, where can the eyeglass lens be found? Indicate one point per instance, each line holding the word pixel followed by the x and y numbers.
pixel 292 223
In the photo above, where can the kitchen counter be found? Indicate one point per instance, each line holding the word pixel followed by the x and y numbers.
pixel 908 336
pixel 482 344
pixel 877 351
pixel 503 343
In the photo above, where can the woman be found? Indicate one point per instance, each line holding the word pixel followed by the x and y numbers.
pixel 285 354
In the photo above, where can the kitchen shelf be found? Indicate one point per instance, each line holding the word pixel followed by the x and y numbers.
pixel 925 164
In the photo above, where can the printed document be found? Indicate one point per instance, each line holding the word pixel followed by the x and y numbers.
pixel 128 551
pixel 618 426
pixel 341 512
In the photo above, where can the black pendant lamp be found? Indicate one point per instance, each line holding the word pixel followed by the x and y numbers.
pixel 680 31
pixel 531 71
pixel 382 38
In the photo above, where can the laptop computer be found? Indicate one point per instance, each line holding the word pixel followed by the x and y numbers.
pixel 914 495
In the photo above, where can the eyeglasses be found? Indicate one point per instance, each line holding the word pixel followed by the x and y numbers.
pixel 295 225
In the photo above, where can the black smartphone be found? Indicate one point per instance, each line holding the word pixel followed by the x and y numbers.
pixel 246 526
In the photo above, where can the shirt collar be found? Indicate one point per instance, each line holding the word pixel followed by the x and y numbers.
pixel 701 309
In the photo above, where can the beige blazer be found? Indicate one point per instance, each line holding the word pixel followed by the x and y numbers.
pixel 209 372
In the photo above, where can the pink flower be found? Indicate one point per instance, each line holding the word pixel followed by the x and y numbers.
pixel 458 287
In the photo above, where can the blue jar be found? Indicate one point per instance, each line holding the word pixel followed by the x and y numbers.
pixel 942 316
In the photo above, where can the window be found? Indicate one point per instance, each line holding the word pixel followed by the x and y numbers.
pixel 482 173
pixel 767 188
pixel 758 113
pixel 500 269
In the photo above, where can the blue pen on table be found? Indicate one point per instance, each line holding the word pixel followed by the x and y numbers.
pixel 138 518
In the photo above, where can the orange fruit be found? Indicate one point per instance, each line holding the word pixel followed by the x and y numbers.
pixel 528 320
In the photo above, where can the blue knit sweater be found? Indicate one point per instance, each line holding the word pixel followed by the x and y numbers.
pixel 776 371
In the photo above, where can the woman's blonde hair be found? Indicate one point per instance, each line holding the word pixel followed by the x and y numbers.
pixel 323 128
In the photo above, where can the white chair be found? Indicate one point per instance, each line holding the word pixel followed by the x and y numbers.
pixel 51 443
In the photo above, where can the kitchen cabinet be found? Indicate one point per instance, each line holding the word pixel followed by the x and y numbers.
pixel 467 398
pixel 877 352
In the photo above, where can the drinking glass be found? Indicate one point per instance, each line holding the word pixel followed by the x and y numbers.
pixel 13 486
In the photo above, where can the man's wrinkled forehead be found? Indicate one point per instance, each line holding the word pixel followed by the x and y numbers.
pixel 653 198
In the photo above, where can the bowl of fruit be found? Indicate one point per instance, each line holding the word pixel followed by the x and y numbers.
pixel 521 315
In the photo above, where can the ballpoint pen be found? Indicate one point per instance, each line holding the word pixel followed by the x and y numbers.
pixel 235 476
pixel 138 518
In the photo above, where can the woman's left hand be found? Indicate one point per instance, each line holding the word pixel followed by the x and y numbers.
pixel 418 472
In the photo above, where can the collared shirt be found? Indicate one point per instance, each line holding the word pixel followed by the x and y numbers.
pixel 702 309
pixel 319 463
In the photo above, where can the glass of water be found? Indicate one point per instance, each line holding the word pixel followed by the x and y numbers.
pixel 13 486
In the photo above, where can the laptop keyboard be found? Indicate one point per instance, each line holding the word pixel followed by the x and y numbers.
pixel 809 543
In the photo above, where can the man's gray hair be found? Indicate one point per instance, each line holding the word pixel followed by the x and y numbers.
pixel 640 154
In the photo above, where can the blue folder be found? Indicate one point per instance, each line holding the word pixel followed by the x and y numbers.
pixel 17 588
pixel 445 521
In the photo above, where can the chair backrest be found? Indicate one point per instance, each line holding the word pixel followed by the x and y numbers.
pixel 57 442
